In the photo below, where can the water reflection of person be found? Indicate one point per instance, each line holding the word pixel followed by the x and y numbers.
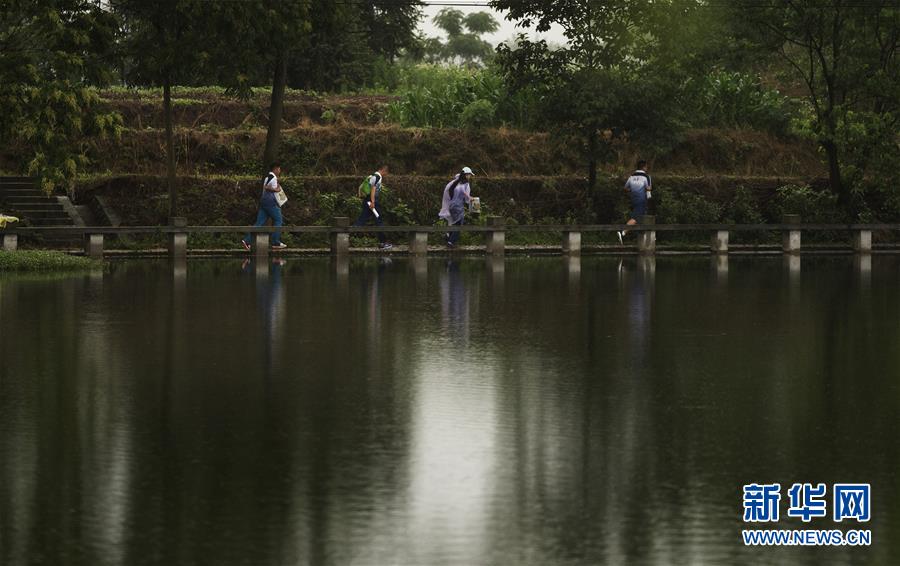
pixel 638 286
pixel 371 291
pixel 269 302
pixel 455 300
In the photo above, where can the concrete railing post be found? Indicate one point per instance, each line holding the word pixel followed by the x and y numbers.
pixel 178 240
pixel 10 242
pixel 647 239
pixel 340 239
pixel 790 240
pixel 862 241
pixel 418 243
pixel 260 244
pixel 495 240
pixel 93 245
pixel 719 244
pixel 571 243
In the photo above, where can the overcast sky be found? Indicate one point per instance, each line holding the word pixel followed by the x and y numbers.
pixel 507 29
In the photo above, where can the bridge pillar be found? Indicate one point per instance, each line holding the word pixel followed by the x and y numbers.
pixel 340 240
pixel 647 239
pixel 418 243
pixel 862 241
pixel 178 240
pixel 790 240
pixel 719 243
pixel 260 244
pixel 10 242
pixel 571 243
pixel 93 245
pixel 495 240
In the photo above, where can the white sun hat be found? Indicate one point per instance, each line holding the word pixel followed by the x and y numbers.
pixel 468 171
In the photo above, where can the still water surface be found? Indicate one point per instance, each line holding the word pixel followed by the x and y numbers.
pixel 526 411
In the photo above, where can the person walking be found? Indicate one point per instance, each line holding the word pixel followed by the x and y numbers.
pixel 269 208
pixel 369 192
pixel 457 194
pixel 638 188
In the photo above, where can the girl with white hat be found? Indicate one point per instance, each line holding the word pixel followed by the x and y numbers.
pixel 453 205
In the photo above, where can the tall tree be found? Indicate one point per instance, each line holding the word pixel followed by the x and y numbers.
pixel 390 26
pixel 164 42
pixel 51 53
pixel 285 20
pixel 845 54
pixel 464 42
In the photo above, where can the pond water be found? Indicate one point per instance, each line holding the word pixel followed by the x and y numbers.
pixel 526 411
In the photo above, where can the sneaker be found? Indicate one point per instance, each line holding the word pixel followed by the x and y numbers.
pixel 385 245
pixel 279 246
pixel 246 245
pixel 620 234
pixel 450 244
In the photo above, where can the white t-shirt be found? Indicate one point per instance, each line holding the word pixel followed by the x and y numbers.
pixel 270 182
pixel 638 184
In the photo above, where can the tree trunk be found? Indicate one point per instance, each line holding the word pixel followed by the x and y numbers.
pixel 834 174
pixel 276 110
pixel 170 149
pixel 592 171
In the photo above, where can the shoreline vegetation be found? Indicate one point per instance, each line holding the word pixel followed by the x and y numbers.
pixel 37 261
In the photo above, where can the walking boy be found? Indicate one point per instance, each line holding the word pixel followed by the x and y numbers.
pixel 268 208
pixel 638 187
pixel 369 192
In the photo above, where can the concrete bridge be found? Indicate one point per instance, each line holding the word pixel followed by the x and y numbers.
pixel 495 230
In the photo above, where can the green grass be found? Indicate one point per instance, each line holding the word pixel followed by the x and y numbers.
pixel 36 260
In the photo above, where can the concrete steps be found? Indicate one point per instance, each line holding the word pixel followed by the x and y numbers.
pixel 21 197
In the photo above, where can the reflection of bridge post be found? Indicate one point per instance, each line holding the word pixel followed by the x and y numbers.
pixel 261 269
pixel 497 266
pixel 863 265
pixel 420 269
pixel 720 263
pixel 647 266
pixel 95 280
pixel 792 263
pixel 179 269
pixel 341 264
pixel 573 268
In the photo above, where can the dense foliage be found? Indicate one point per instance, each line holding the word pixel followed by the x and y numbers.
pixel 51 53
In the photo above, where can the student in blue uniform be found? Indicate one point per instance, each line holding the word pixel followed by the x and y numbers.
pixel 638 188
pixel 268 208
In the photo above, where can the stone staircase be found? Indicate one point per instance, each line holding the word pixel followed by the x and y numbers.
pixel 21 197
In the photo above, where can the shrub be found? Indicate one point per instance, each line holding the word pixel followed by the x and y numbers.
pixel 479 114
pixel 686 208
pixel 743 208
pixel 812 205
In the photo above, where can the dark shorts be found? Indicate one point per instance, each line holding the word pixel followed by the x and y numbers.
pixel 638 208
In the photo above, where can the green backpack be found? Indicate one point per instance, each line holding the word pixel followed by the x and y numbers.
pixel 365 188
